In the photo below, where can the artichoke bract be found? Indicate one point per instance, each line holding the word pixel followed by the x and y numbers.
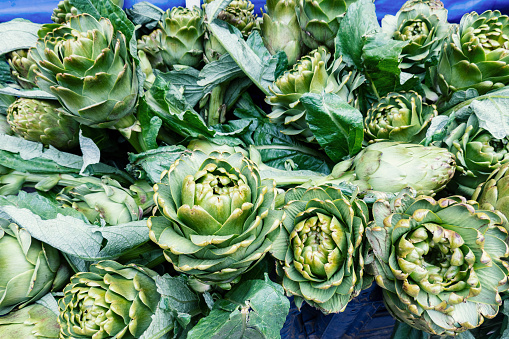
pixel 86 65
pixel 478 153
pixel 218 216
pixel 424 25
pixel 30 268
pixel 281 30
pixel 399 117
pixel 476 56
pixel 31 322
pixel 319 20
pixel 493 194
pixel 22 68
pixel 321 249
pixel 311 74
pixel 42 121
pixel 441 264
pixel 110 301
pixel 392 166
pixel 106 202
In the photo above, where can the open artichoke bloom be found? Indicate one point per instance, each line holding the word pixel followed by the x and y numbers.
pixel 478 153
pixel 319 20
pixel 424 26
pixel 311 74
pixel 29 268
pixel 493 194
pixel 476 56
pixel 42 121
pixel 218 218
pixel 110 301
pixel 441 264
pixel 399 117
pixel 86 65
pixel 320 247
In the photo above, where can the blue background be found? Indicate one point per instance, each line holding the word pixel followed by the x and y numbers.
pixel 40 10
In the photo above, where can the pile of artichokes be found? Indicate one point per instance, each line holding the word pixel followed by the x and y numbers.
pixel 182 172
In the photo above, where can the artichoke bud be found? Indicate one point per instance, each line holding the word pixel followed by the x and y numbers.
pixel 320 246
pixel 34 321
pixel 30 268
pixel 447 272
pixel 311 74
pixel 23 69
pixel 43 121
pixel 399 117
pixel 475 56
pixel 109 301
pixel 181 36
pixel 423 24
pixel 90 95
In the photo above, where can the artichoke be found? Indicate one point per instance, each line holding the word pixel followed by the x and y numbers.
pixel 30 268
pixel 31 322
pixel 399 117
pixel 392 166
pixel 42 121
pixel 476 56
pixel 181 36
pixel 478 153
pixel 110 301
pixel 281 30
pixel 424 25
pixel 86 65
pixel 107 202
pixel 441 264
pixel 311 74
pixel 239 14
pixel 493 194
pixel 321 248
pixel 22 68
pixel 218 216
pixel 64 10
pixel 319 21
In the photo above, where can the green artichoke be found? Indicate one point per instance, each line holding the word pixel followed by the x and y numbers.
pixel 64 10
pixel 399 117
pixel 319 21
pixel 424 25
pixel 392 166
pixel 107 202
pixel 110 301
pixel 311 74
pixel 30 268
pixel 42 121
pixel 22 68
pixel 478 153
pixel 181 36
pixel 281 30
pixel 476 56
pixel 441 264
pixel 493 194
pixel 218 216
pixel 239 14
pixel 321 248
pixel 86 65
pixel 31 322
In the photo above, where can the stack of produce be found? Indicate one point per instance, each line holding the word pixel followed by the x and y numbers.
pixel 180 173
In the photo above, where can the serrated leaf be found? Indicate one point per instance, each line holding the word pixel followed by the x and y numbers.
pixel 90 151
pixel 152 163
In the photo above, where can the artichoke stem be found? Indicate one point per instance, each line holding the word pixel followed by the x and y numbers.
pixel 217 108
pixel 129 127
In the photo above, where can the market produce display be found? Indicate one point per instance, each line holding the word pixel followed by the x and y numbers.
pixel 191 172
